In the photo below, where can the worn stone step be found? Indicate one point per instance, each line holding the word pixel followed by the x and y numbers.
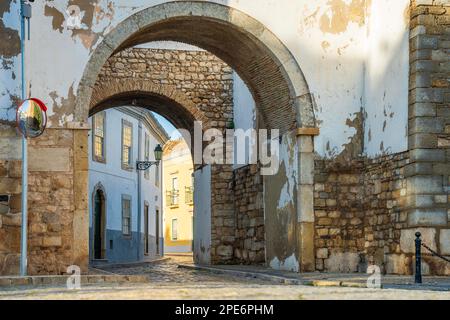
pixel 62 280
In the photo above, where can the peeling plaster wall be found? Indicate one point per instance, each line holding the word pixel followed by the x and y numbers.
pixel 386 78
pixel 9 59
pixel 280 209
pixel 244 117
pixel 329 38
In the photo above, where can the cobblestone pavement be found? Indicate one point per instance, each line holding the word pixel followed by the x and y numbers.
pixel 167 281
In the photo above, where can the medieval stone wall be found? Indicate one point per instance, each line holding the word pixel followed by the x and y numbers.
pixel 428 175
pixel 249 214
pixel 56 200
pixel 367 210
pixel 207 83
pixel 358 212
pixel 10 206
pixel 205 79
pixel 52 217
pixel 50 203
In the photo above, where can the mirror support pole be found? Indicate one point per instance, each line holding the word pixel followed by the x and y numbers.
pixel 24 227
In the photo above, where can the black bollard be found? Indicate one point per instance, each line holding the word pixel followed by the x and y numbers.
pixel 418 241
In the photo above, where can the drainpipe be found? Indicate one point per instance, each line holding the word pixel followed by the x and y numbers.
pixel 139 182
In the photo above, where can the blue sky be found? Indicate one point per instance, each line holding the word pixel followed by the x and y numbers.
pixel 170 129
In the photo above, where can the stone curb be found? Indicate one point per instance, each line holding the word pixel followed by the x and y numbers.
pixel 277 279
pixel 130 264
pixel 62 280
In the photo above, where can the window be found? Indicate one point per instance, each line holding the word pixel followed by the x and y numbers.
pixel 174 183
pixel 127 140
pixel 189 191
pixel 175 191
pixel 98 137
pixel 174 229
pixel 147 155
pixel 173 194
pixel 126 215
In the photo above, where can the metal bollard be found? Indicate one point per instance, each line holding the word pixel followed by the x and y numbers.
pixel 418 275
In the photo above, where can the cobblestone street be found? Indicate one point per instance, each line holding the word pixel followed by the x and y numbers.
pixel 167 281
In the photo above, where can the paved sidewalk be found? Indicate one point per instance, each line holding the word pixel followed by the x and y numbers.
pixel 358 280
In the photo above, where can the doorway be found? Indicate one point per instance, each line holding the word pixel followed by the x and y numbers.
pixel 157 231
pixel 99 225
pixel 146 239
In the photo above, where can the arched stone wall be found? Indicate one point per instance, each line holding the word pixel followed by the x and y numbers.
pixel 266 65
pixel 163 99
pixel 276 83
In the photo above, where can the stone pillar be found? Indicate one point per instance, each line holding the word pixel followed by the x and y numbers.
pixel 80 226
pixel 429 120
pixel 305 198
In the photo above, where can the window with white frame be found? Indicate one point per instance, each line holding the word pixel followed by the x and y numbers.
pixel 174 229
pixel 98 136
pixel 175 190
pixel 127 142
pixel 126 215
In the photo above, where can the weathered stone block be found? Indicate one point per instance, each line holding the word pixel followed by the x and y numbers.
pixel 225 251
pixel 306 162
pixel 427 217
pixel 422 140
pixel 342 262
pixel 15 169
pixel 54 241
pixel 407 239
pixel 13 220
pixel 425 184
pixel 305 144
pixel 444 241
pixel 306 246
pixel 426 125
pixel 322 253
pixel 440 199
pixel 49 159
pixel 420 201
pixel 428 155
pixel 422 110
pixel 398 264
pixel 10 185
pixel 305 197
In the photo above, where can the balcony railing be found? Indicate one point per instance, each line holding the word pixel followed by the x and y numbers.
pixel 189 195
pixel 172 197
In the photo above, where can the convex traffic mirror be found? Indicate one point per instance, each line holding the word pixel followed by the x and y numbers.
pixel 31 118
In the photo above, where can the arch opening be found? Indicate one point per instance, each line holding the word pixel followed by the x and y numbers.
pixel 267 67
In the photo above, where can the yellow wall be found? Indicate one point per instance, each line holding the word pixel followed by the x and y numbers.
pixel 177 162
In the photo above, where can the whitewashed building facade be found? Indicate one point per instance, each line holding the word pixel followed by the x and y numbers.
pixel 120 202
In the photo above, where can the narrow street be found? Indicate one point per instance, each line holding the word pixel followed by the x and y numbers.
pixel 167 281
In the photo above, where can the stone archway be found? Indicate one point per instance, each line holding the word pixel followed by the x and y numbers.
pixel 161 98
pixel 275 80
